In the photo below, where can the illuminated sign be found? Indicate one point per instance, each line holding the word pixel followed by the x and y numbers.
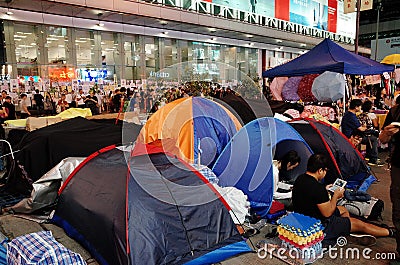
pixel 93 74
pixel 61 74
pixel 159 74
pixel 34 78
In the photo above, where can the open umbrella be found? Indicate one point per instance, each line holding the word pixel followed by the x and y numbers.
pixel 277 86
pixel 392 59
pixel 305 86
pixel 329 86
pixel 289 90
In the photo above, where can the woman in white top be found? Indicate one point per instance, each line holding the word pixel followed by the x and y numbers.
pixel 288 162
pixel 24 107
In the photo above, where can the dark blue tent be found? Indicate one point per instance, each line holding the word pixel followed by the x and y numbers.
pixel 345 161
pixel 146 209
pixel 246 162
pixel 329 56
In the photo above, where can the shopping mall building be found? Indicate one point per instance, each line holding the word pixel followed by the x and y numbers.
pixel 92 40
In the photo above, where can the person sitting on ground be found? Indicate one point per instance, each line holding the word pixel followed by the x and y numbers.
pixel 350 123
pixel 311 198
pixel 92 103
pixel 80 99
pixel 62 104
pixel 279 168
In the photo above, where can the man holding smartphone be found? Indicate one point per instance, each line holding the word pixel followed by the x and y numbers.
pixel 318 204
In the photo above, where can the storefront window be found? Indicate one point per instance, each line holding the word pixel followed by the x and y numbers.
pixel 186 51
pixel 230 62
pixel 85 48
pixel 253 61
pixel 26 49
pixel 151 55
pixel 170 52
pixel 56 42
pixel 109 43
pixel 132 56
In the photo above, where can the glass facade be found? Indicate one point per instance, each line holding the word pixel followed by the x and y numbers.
pixel 63 54
pixel 25 40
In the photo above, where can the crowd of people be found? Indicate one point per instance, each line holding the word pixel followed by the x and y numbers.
pixel 121 99
pixel 360 124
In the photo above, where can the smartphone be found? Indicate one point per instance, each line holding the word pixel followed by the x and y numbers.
pixel 397 124
pixel 339 183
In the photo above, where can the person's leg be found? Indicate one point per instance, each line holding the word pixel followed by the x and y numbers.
pixel 343 211
pixel 366 228
pixel 395 199
pixel 372 147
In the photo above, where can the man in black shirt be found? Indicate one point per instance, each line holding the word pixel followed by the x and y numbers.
pixel 3 112
pixel 311 198
pixel 39 100
pixel 391 132
pixel 10 107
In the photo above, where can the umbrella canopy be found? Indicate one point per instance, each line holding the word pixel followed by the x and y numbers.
pixel 329 86
pixel 305 85
pixel 277 86
pixel 289 90
pixel 329 56
pixel 392 59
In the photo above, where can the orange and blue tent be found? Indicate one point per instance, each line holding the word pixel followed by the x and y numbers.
pixel 194 129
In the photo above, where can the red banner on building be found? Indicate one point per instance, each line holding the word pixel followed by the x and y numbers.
pixel 282 9
pixel 332 16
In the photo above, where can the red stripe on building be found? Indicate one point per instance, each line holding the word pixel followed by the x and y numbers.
pixel 282 9
pixel 332 16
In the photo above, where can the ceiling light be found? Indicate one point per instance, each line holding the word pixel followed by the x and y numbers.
pixel 303 44
pixel 249 36
pixel 163 22
pixel 212 30
pixel 279 41
pixel 9 13
pixel 100 24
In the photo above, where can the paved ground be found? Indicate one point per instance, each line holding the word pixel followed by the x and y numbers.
pixel 13 226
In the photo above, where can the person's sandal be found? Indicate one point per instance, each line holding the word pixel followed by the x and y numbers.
pixel 362 240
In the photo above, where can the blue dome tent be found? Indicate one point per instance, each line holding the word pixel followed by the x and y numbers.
pixel 246 162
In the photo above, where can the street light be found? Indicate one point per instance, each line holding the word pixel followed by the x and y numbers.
pixel 378 8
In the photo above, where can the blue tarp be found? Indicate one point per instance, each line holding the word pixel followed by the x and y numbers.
pixel 246 162
pixel 329 56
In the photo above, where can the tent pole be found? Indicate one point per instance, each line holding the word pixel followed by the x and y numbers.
pixel 9 146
